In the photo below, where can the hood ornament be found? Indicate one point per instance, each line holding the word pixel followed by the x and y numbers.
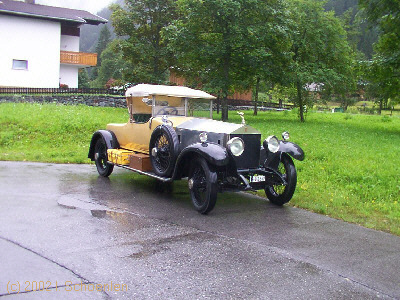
pixel 164 119
pixel 241 114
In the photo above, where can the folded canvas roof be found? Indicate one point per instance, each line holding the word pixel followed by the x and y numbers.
pixel 145 90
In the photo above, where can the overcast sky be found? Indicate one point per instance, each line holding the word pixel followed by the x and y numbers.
pixel 90 5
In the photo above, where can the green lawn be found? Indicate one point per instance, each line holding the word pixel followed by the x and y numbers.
pixel 352 166
pixel 51 133
pixel 351 170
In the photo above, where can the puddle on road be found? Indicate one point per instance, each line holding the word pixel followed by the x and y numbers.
pixel 127 220
pixel 72 202
pixel 150 236
pixel 102 212
pixel 98 213
pixel 150 247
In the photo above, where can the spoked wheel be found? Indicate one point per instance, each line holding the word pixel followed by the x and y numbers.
pixel 203 186
pixel 281 194
pixel 163 149
pixel 100 158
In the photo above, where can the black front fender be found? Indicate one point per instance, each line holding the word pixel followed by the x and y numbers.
pixel 285 148
pixel 108 136
pixel 292 149
pixel 213 153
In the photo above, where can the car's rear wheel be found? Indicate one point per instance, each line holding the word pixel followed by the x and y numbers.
pixel 101 159
pixel 163 150
pixel 281 194
pixel 203 185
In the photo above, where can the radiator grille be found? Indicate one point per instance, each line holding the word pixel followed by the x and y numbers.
pixel 251 155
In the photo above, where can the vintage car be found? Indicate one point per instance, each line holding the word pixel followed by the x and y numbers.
pixel 163 141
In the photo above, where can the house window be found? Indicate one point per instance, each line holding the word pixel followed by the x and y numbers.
pixel 20 64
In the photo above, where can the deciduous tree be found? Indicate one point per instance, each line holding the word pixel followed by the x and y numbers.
pixel 112 66
pixel 218 42
pixel 385 67
pixel 320 51
pixel 141 22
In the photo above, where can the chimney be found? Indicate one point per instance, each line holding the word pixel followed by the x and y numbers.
pixel 30 1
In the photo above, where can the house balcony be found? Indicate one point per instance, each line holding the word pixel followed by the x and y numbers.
pixel 78 58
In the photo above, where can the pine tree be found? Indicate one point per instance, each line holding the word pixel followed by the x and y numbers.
pixel 103 41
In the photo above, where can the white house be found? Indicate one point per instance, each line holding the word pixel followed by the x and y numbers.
pixel 39 45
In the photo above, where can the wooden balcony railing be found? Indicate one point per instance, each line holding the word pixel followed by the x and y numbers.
pixel 78 58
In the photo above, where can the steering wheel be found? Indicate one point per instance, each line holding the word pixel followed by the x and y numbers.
pixel 170 110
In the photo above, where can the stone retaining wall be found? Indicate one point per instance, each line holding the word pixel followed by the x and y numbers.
pixel 90 100
pixel 97 100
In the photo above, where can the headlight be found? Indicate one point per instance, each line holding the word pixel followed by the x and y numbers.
pixel 272 143
pixel 285 135
pixel 236 146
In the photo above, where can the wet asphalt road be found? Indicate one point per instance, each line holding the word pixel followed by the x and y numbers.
pixel 64 229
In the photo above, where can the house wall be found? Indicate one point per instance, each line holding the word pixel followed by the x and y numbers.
pixel 38 42
pixel 69 43
pixel 69 75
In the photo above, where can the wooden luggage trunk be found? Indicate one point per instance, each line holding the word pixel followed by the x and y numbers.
pixel 140 162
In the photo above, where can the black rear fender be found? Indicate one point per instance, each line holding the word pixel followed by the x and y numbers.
pixel 108 136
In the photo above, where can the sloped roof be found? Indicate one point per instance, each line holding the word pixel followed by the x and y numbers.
pixel 23 9
pixel 144 90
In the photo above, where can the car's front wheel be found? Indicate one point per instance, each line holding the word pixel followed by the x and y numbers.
pixel 281 194
pixel 101 159
pixel 203 185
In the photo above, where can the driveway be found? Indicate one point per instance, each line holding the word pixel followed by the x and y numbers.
pixel 67 233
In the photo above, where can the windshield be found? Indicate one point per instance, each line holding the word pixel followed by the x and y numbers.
pixel 181 107
pixel 169 106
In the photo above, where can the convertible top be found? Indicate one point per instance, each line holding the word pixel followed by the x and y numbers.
pixel 144 90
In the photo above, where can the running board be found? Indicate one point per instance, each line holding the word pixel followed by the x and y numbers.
pixel 150 174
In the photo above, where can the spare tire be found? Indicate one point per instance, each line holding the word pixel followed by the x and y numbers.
pixel 163 149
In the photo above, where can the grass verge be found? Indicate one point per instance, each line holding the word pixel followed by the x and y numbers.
pixel 50 132
pixel 351 171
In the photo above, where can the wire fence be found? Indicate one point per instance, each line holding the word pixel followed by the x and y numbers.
pixel 260 104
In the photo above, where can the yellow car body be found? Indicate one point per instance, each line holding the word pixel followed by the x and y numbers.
pixel 136 136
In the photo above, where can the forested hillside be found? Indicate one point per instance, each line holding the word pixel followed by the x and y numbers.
pixel 341 6
pixel 90 34
pixel 360 35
